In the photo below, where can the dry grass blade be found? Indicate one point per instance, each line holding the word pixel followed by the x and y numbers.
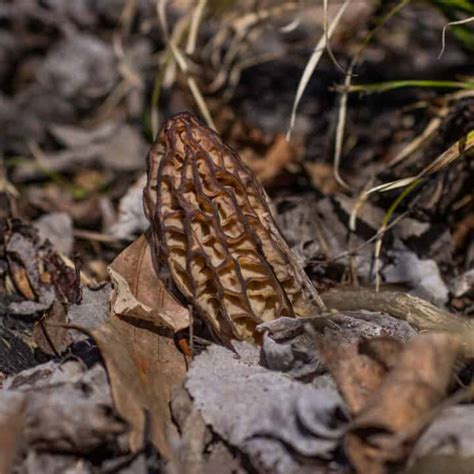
pixel 359 203
pixel 127 15
pixel 429 130
pixel 454 152
pixel 5 185
pixel 161 13
pixel 311 65
pixel 167 68
pixel 243 28
pixel 445 27
pixel 326 34
pixel 243 23
pixel 341 119
pixel 380 87
pixel 193 87
pixel 193 31
pixel 291 26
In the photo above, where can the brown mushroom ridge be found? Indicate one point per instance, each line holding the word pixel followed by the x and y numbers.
pixel 213 230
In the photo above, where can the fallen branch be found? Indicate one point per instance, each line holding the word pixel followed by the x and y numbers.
pixel 419 313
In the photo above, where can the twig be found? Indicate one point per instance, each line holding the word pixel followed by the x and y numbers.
pixel 418 312
pixel 94 236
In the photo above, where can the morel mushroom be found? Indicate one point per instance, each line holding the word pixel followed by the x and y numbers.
pixel 213 231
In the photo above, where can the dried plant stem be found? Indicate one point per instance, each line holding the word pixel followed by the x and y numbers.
pixel 167 68
pixel 193 87
pixel 463 147
pixel 194 29
pixel 237 32
pixel 326 34
pixel 341 123
pixel 452 23
pixel 416 311
pixel 161 13
pixel 311 65
pixel 427 133
pixel 341 119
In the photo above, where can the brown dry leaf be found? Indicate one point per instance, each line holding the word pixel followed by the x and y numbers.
pixel 280 155
pixel 462 230
pixel 20 247
pixel 141 357
pixel 50 333
pixel 38 274
pixel 385 350
pixel 357 375
pixel 268 155
pixel 322 177
pixel 144 365
pixel 21 281
pixel 12 414
pixel 140 293
pixel 397 412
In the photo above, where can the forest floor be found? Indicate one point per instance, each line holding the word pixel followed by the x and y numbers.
pixel 107 366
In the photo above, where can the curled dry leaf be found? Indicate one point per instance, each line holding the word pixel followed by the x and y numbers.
pixel 136 343
pixel 138 291
pixel 213 230
pixel 24 257
pixel 404 404
pixel 58 407
pixel 358 367
pixel 143 365
pixel 322 177
pixel 280 424
pixel 50 333
pixel 279 156
pixel 357 375
pixel 39 275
